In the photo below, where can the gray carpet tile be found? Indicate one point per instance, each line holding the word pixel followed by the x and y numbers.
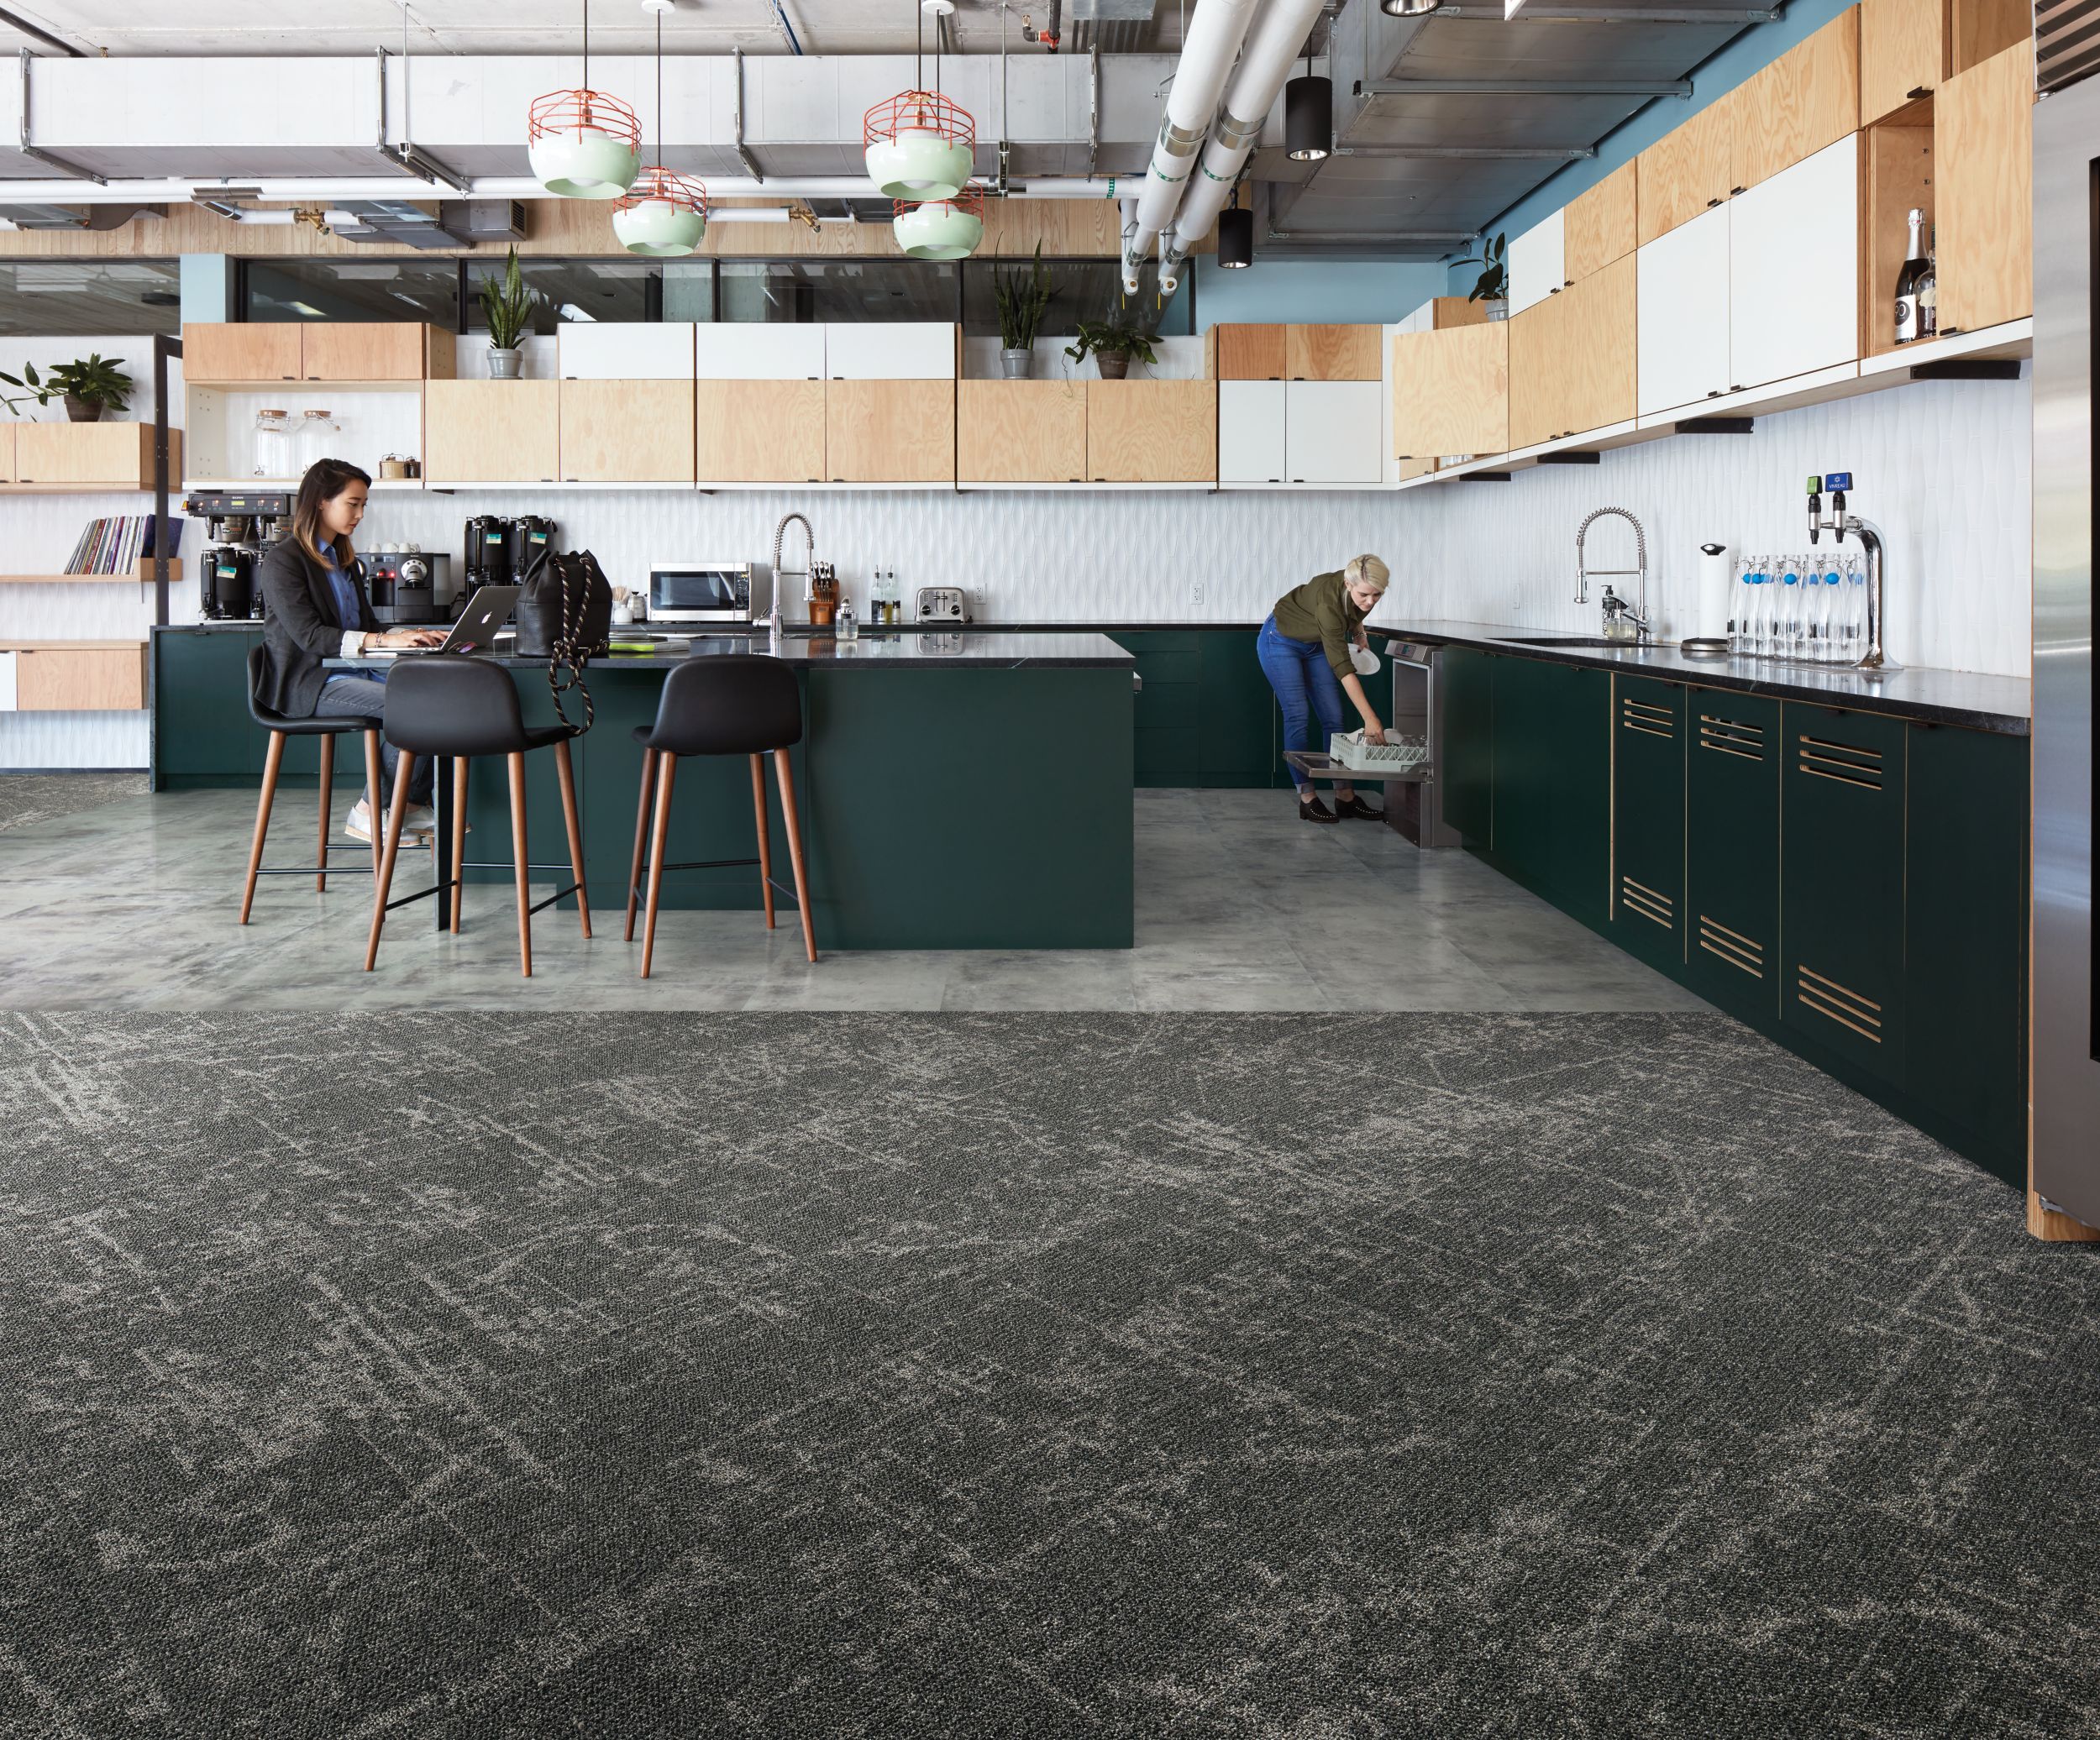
pixel 1293 1376
pixel 28 799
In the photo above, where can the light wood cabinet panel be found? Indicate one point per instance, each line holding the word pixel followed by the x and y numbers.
pixel 889 431
pixel 82 679
pixel 1017 431
pixel 1446 312
pixel 1896 159
pixel 1151 432
pixel 1807 98
pixel 492 432
pixel 1538 372
pixel 7 453
pixel 1978 29
pixel 1902 54
pixel 1247 352
pixel 760 431
pixel 119 455
pixel 1451 392
pixel 1983 125
pixel 1599 337
pixel 374 350
pixel 1601 224
pixel 1332 352
pixel 627 431
pixel 224 350
pixel 1684 172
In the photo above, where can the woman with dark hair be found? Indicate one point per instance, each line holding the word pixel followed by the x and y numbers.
pixel 313 585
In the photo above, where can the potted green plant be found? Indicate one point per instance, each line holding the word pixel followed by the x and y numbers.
pixel 1493 286
pixel 1021 296
pixel 506 304
pixel 89 386
pixel 1112 345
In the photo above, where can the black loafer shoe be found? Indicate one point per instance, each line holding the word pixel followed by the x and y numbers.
pixel 1312 810
pixel 1355 808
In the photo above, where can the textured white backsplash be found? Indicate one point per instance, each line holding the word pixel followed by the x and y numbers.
pixel 1941 467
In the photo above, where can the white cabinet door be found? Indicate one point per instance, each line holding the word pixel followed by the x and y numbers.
pixel 6 682
pixel 1680 296
pixel 887 350
pixel 626 350
pixel 759 350
pixel 1538 263
pixel 1250 431
pixel 1334 431
pixel 1794 262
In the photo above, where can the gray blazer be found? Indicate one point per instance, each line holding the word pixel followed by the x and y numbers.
pixel 301 629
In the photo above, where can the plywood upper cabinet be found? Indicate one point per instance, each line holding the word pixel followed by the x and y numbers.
pixel 1807 98
pixel 1598 317
pixel 1332 352
pixel 759 431
pixel 1902 54
pixel 80 678
pixel 889 431
pixel 1539 361
pixel 1151 432
pixel 7 453
pixel 117 454
pixel 224 350
pixel 1979 30
pixel 627 431
pixel 1684 172
pixel 492 432
pixel 1601 224
pixel 1013 431
pixel 1247 352
pixel 1983 127
pixel 1451 392
pixel 368 350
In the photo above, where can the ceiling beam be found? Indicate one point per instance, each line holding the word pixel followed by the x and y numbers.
pixel 1527 87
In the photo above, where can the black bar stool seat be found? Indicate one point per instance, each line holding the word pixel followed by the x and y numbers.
pixel 458 708
pixel 282 727
pixel 745 704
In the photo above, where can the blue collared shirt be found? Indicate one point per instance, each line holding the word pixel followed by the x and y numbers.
pixel 346 613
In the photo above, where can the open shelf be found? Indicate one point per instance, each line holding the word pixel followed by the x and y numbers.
pixel 141 576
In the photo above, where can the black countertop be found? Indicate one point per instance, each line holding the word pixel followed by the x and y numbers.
pixel 1963 698
pixel 882 648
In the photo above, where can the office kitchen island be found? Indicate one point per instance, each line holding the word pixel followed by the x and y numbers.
pixel 963 790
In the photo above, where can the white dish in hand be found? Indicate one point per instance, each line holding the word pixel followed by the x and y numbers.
pixel 1365 660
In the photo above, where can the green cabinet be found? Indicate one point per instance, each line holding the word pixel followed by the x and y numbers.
pixel 1647 879
pixel 1553 782
pixel 1466 741
pixel 1204 714
pixel 1965 939
pixel 1842 884
pixel 203 733
pixel 1731 850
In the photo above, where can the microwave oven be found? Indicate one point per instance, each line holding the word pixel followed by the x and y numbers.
pixel 706 591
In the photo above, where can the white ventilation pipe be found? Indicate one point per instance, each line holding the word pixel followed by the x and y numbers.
pixel 1208 51
pixel 322 190
pixel 1272 47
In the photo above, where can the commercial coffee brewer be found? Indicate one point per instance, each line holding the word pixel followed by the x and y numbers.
pixel 240 529
pixel 410 586
pixel 501 552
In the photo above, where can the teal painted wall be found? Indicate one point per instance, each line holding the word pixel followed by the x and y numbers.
pixel 207 287
pixel 1314 290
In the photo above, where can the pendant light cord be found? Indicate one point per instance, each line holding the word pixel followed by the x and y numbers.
pixel 918 53
pixel 660 90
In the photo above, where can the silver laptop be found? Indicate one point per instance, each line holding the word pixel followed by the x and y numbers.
pixel 486 611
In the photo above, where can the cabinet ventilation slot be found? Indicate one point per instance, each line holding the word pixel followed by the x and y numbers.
pixel 1638 898
pixel 1642 716
pixel 1731 736
pixel 1848 1009
pixel 1846 762
pixel 1732 946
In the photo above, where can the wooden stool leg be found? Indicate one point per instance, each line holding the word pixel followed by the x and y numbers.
pixel 786 776
pixel 765 836
pixel 375 773
pixel 641 835
pixel 666 775
pixel 404 770
pixel 568 773
pixel 460 763
pixel 271 764
pixel 327 792
pixel 524 871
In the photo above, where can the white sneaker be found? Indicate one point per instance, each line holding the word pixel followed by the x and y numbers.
pixel 419 822
pixel 358 824
pixel 418 819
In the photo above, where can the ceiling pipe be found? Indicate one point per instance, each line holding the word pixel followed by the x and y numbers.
pixel 1271 48
pixel 1215 32
pixel 313 189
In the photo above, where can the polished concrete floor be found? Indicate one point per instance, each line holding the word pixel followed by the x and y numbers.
pixel 132 904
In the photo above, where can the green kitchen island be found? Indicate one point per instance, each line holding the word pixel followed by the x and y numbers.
pixel 965 790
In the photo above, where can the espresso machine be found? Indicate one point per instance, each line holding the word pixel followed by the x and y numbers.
pixel 410 586
pixel 240 529
pixel 501 552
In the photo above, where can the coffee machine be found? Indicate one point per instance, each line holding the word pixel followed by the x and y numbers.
pixel 241 529
pixel 501 552
pixel 411 585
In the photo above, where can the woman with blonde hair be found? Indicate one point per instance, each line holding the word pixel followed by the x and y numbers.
pixel 1304 648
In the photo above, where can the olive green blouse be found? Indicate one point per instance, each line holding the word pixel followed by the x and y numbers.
pixel 1322 610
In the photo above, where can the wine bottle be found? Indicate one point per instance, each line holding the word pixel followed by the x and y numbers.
pixel 1928 288
pixel 1916 268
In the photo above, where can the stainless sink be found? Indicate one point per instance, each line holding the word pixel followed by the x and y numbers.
pixel 1565 640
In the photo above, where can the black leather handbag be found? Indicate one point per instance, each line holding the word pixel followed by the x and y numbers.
pixel 565 614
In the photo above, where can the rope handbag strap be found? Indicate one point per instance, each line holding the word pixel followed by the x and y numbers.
pixel 563 654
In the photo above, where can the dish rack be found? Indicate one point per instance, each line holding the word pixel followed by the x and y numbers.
pixel 1395 755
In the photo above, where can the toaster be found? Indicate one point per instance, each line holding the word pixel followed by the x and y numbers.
pixel 942 603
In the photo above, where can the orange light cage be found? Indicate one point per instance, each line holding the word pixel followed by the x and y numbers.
pixel 919 111
pixel 656 182
pixel 970 201
pixel 560 113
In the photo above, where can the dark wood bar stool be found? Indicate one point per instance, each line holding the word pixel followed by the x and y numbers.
pixel 459 708
pixel 280 728
pixel 741 704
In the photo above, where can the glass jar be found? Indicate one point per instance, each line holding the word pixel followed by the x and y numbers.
pixel 272 444
pixel 320 436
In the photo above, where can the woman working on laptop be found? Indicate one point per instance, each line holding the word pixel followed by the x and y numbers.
pixel 313 585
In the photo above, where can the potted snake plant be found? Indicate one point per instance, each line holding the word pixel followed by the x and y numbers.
pixel 1112 345
pixel 506 304
pixel 1021 297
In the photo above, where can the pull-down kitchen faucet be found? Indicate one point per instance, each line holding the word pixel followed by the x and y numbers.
pixel 1843 524
pixel 809 562
pixel 1616 610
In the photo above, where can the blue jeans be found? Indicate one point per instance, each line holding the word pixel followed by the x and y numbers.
pixel 362 694
pixel 1305 686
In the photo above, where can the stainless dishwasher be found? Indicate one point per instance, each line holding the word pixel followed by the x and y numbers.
pixel 1416 809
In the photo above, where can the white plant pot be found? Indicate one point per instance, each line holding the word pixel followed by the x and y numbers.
pixel 937 232
pixel 503 364
pixel 659 228
pixel 918 164
pixel 584 163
